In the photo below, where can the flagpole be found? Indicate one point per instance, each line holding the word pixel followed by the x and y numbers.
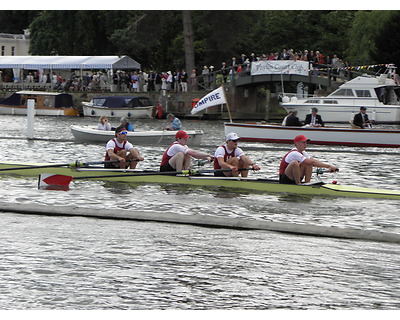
pixel 227 103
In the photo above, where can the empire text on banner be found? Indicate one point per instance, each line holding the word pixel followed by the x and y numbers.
pixel 214 98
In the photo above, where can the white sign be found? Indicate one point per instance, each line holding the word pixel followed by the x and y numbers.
pixel 280 67
pixel 214 98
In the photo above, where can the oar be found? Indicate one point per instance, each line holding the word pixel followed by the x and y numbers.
pixel 49 179
pixel 321 171
pixel 75 164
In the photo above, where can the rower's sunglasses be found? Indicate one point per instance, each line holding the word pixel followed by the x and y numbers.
pixel 235 140
pixel 123 132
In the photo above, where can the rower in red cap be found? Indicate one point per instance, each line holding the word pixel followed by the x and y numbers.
pixel 178 155
pixel 297 164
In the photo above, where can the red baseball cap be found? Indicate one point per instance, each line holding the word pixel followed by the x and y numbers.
pixel 181 134
pixel 300 137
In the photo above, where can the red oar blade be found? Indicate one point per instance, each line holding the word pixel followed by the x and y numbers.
pixel 54 181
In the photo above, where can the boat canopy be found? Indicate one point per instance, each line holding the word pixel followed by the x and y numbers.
pixel 121 102
pixel 68 62
pixel 60 100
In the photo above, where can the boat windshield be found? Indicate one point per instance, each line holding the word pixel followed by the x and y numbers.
pixel 388 95
pixel 363 93
pixel 343 93
pixel 98 101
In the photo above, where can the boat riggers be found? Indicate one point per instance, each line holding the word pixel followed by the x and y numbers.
pixel 75 164
pixel 53 180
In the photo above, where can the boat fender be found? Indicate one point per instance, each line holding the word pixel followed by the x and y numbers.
pixel 285 99
pixel 93 112
pixel 112 113
pixel 334 182
pixel 129 114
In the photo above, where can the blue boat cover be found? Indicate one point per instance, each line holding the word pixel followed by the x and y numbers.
pixel 121 101
pixel 62 100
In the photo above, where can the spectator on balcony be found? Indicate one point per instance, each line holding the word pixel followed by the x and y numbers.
pixel 205 74
pixel 212 77
pixel 184 80
pixel 193 81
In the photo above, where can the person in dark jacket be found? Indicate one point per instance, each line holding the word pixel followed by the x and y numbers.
pixel 292 120
pixel 314 119
pixel 361 119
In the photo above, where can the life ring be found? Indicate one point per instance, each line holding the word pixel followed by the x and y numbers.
pixel 194 102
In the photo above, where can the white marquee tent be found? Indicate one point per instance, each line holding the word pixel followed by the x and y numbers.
pixel 68 62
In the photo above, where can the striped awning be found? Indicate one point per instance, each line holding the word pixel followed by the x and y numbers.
pixel 68 62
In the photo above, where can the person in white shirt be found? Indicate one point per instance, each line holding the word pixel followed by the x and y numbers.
pixel 122 150
pixel 297 164
pixel 104 124
pixel 229 156
pixel 178 155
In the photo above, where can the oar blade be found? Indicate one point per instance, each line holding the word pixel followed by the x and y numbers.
pixel 54 181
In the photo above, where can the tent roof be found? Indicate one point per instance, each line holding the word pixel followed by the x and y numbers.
pixel 68 62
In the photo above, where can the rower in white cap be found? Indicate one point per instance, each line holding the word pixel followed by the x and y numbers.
pixel 229 156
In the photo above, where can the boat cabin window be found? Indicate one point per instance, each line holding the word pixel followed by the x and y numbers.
pixel 98 101
pixel 343 92
pixel 330 101
pixel 363 93
pixel 312 101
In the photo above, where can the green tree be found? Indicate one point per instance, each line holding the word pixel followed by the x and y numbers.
pixel 387 41
pixel 154 38
pixel 15 21
pixel 363 35
pixel 299 30
pixel 75 32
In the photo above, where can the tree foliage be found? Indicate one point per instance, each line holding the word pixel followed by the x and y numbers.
pixel 15 21
pixel 75 32
pixel 155 37
pixel 387 41
pixel 372 35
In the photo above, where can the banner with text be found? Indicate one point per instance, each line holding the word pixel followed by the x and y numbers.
pixel 280 67
pixel 214 98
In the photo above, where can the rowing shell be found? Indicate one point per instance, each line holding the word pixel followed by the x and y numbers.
pixel 252 184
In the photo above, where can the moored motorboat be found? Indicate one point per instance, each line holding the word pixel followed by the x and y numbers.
pixel 119 106
pixel 252 184
pixel 46 104
pixel 262 132
pixel 92 134
pixel 380 95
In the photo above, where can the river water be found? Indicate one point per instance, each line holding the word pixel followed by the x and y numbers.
pixel 63 263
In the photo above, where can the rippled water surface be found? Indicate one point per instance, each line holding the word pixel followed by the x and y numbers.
pixel 50 262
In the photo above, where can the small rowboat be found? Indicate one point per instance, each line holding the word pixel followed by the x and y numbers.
pixel 251 184
pixel 91 134
pixel 46 104
pixel 119 106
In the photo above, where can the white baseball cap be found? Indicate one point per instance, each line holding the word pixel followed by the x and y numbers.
pixel 232 136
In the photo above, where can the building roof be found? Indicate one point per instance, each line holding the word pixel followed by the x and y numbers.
pixel 68 62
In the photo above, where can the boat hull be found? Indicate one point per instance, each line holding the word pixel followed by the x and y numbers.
pixel 38 111
pixel 90 134
pixel 250 184
pixel 46 104
pixel 344 113
pixel 136 113
pixel 258 132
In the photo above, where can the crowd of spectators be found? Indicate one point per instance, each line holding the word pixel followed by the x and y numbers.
pixel 208 78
